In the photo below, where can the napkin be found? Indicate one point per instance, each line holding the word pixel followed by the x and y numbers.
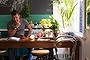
pixel 14 38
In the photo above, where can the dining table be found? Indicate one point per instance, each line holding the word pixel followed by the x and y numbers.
pixel 22 43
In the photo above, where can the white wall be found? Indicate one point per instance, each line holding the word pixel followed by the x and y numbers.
pixel 86 47
pixel 82 50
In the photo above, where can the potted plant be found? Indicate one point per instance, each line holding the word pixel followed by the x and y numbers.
pixel 25 12
pixel 50 23
pixel 55 25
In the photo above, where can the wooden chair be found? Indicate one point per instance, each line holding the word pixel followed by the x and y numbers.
pixel 1 52
pixel 41 54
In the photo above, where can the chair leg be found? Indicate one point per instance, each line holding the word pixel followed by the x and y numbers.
pixel 39 58
pixel 45 57
pixel 42 57
pixel 21 58
pixel 2 57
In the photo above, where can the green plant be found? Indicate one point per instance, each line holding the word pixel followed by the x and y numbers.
pixel 87 6
pixel 55 25
pixel 25 12
pixel 65 10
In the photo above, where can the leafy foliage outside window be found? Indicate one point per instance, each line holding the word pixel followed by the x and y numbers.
pixel 87 6
pixel 65 10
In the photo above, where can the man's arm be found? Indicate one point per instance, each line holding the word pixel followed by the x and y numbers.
pixel 29 30
pixel 11 32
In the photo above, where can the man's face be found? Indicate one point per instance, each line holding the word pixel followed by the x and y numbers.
pixel 16 18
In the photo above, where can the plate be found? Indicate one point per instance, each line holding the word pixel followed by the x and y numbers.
pixel 40 39
pixel 46 38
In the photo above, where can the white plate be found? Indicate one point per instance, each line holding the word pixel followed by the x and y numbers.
pixel 40 39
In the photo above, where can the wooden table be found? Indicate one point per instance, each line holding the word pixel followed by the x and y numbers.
pixel 39 44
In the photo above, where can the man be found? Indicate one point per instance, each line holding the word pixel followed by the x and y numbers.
pixel 16 28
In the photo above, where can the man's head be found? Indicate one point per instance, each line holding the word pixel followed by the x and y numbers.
pixel 15 16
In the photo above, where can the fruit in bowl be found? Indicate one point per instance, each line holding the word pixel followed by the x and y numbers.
pixel 39 34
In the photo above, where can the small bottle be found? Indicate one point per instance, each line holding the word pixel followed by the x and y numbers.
pixel 30 22
pixel 35 24
pixel 22 36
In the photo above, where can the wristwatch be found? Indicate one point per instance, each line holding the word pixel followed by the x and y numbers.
pixel 15 28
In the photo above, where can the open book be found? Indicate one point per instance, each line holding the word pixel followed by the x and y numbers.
pixel 14 38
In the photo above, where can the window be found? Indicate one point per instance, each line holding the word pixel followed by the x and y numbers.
pixel 77 20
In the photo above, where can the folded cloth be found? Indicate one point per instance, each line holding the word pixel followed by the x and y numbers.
pixel 14 38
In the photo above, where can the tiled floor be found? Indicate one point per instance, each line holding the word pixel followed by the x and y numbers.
pixel 34 58
pixel 17 58
pixel 7 58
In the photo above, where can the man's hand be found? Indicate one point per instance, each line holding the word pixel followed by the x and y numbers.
pixel 17 24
